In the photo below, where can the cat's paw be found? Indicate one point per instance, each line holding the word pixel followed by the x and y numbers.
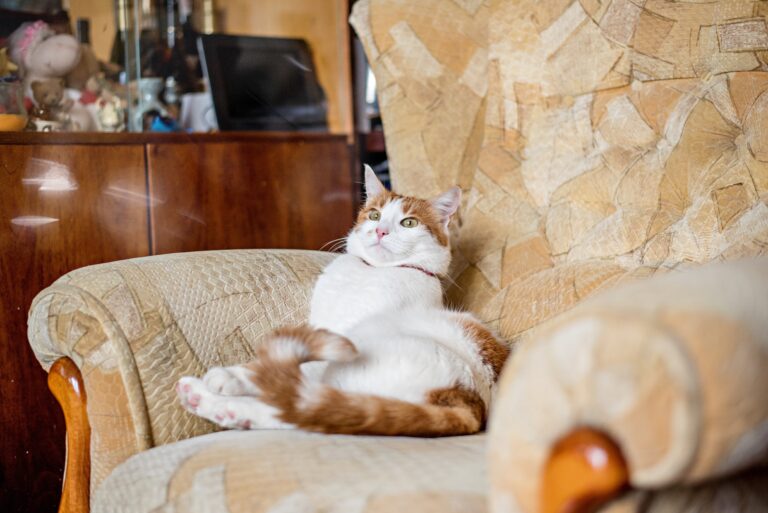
pixel 219 409
pixel 190 392
pixel 234 380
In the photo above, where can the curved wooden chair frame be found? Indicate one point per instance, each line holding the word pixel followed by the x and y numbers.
pixel 66 383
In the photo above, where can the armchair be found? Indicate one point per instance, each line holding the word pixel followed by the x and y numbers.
pixel 607 150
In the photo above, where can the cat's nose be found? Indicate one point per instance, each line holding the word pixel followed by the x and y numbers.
pixel 381 232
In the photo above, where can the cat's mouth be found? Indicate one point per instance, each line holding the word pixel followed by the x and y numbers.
pixel 380 245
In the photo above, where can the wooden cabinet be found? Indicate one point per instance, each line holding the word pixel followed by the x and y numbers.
pixel 69 200
pixel 248 194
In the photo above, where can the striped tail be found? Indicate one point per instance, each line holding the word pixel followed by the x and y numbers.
pixel 449 411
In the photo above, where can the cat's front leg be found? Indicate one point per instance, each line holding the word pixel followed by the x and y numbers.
pixel 235 380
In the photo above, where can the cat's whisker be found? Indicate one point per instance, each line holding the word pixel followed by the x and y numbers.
pixel 337 245
pixel 332 242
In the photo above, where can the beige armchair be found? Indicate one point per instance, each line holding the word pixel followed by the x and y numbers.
pixel 598 144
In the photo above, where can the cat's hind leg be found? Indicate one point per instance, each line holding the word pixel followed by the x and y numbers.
pixel 235 380
pixel 234 412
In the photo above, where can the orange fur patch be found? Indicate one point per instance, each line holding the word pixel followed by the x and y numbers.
pixel 421 209
pixel 492 351
pixel 453 411
pixel 426 214
pixel 459 396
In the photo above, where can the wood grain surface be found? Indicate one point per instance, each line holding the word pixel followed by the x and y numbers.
pixel 255 194
pixel 71 200
pixel 66 384
pixel 61 207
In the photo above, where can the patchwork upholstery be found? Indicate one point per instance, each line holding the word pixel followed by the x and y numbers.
pixel 673 368
pixel 135 327
pixel 598 143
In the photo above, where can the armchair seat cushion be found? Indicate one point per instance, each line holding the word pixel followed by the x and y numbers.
pixel 296 472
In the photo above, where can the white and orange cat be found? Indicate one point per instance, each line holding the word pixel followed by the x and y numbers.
pixel 380 355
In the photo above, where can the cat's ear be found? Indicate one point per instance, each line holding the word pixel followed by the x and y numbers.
pixel 373 187
pixel 447 203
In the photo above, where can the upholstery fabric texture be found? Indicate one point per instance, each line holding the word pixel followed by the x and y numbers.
pixel 288 472
pixel 672 368
pixel 746 493
pixel 598 143
pixel 135 327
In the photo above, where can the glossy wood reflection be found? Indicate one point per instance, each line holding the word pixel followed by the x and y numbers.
pixel 295 193
pixel 71 200
pixel 61 207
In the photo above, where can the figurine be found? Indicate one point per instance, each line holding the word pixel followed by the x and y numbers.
pixel 105 105
pixel 149 103
pixel 50 112
pixel 41 55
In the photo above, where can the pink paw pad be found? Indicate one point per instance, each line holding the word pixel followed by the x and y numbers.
pixel 244 424
pixel 194 400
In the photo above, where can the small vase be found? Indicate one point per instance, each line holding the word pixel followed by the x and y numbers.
pixel 149 100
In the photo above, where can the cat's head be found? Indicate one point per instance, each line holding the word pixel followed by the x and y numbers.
pixel 394 230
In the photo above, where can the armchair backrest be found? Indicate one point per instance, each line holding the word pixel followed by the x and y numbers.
pixel 596 142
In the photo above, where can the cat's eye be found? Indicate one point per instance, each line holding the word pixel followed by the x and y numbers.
pixel 374 215
pixel 409 222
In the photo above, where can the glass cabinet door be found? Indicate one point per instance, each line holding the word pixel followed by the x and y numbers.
pixel 179 65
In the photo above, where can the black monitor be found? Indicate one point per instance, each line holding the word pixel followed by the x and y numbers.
pixel 263 83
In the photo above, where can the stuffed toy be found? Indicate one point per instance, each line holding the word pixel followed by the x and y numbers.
pixel 50 103
pixel 51 107
pixel 87 66
pixel 41 54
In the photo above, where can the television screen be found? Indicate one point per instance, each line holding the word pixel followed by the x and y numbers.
pixel 261 83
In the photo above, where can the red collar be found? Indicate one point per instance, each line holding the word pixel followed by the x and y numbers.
pixel 408 266
pixel 428 273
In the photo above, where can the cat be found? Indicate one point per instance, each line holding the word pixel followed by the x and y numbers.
pixel 380 355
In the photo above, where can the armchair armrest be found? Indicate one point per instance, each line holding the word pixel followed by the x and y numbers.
pixel 134 327
pixel 664 377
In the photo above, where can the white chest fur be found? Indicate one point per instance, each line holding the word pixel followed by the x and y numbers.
pixel 349 291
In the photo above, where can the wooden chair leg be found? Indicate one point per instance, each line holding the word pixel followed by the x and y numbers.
pixel 66 383
pixel 584 471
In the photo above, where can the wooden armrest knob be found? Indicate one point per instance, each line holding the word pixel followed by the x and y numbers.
pixel 585 470
pixel 66 383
